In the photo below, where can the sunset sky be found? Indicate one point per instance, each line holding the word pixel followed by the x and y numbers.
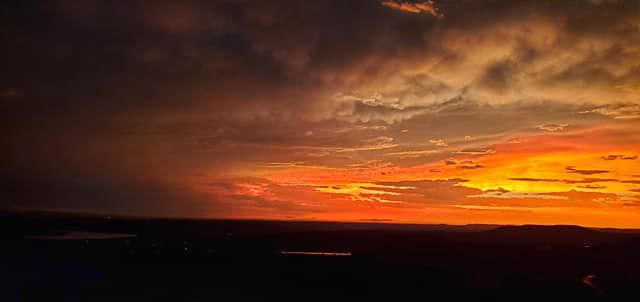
pixel 449 111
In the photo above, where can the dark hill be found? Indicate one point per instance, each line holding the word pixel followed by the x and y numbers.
pixel 549 235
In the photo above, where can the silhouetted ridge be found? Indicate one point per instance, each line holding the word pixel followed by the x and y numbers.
pixel 545 229
pixel 548 235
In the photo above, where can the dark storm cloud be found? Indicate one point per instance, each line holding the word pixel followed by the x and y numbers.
pixel 498 76
pixel 125 196
pixel 181 55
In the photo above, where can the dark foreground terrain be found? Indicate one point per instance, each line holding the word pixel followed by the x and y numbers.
pixel 48 257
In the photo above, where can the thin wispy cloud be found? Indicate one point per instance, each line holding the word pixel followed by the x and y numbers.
pixel 439 142
pixel 476 151
pixel 552 127
pixel 415 7
pixel 572 169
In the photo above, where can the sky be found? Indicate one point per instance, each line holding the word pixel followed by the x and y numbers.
pixel 444 111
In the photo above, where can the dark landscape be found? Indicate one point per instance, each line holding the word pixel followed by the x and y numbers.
pixel 61 257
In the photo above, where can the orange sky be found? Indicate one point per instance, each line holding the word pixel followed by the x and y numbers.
pixel 571 177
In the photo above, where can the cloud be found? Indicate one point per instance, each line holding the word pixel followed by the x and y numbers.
pixel 476 151
pixel 450 162
pixel 504 194
pixel 618 111
pixel 376 220
pixel 427 7
pixel 552 127
pixel 578 181
pixel 284 165
pixel 494 208
pixel 357 110
pixel 591 180
pixel 427 192
pixel 534 179
pixel 439 142
pixel 572 169
pixel 593 187
pixel 173 17
pixel 470 166
pixel 361 128
pixel 9 93
pixel 375 143
pixel 619 156
pixel 600 2
pixel 497 191
pixel 464 164
pixel 412 154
